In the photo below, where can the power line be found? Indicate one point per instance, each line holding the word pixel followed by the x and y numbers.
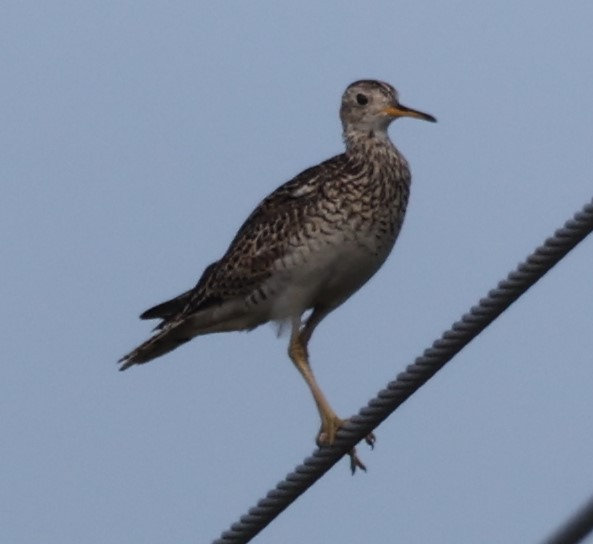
pixel 576 528
pixel 417 374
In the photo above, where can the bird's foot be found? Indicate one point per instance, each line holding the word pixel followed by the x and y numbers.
pixel 330 424
pixel 355 461
pixel 327 436
pixel 370 439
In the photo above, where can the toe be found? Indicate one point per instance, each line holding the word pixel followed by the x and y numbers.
pixel 355 462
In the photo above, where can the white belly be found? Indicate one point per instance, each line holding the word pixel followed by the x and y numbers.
pixel 325 277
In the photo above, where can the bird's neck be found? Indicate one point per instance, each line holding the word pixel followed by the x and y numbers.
pixel 370 144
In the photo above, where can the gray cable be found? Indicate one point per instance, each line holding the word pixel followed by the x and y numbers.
pixel 415 375
pixel 576 528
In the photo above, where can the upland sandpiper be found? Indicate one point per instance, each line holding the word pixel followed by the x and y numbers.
pixel 309 245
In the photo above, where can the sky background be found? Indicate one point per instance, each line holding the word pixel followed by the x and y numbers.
pixel 135 138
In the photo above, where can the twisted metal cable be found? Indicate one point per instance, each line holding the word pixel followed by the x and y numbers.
pixel 415 376
pixel 578 527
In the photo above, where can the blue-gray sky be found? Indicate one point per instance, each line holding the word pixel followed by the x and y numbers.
pixel 136 138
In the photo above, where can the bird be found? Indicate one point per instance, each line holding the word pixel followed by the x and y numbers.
pixel 305 249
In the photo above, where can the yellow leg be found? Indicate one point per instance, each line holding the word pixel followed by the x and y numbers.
pixel 330 422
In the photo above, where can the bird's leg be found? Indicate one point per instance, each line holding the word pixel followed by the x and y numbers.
pixel 330 422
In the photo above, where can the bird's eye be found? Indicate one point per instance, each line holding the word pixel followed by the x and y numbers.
pixel 362 99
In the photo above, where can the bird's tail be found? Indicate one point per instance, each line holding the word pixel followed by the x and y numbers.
pixel 162 342
pixel 169 309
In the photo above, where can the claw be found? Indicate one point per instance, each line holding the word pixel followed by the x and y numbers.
pixel 355 462
pixel 327 435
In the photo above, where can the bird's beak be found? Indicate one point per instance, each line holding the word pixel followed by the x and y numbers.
pixel 402 111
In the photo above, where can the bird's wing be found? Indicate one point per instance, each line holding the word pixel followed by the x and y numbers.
pixel 171 308
pixel 264 237
pixel 248 262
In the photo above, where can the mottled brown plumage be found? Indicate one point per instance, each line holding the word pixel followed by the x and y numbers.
pixel 309 245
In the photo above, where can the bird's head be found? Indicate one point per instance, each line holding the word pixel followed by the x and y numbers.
pixel 370 106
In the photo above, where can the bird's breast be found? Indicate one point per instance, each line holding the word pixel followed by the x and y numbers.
pixel 340 242
pixel 324 272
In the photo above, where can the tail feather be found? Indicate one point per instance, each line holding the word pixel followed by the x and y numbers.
pixel 178 325
pixel 168 309
pixel 159 344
